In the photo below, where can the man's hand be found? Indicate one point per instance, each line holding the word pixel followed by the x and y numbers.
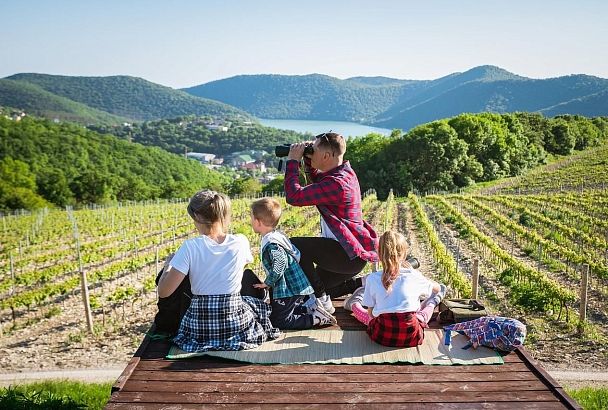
pixel 260 285
pixel 296 151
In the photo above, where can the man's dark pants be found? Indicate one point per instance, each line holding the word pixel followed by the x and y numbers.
pixel 334 270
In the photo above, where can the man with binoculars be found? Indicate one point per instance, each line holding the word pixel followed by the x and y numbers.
pixel 347 242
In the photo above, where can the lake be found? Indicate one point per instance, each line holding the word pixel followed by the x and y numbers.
pixel 348 129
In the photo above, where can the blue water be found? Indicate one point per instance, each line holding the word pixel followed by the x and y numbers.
pixel 348 129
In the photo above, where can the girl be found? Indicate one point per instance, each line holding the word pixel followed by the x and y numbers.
pixel 218 318
pixel 395 316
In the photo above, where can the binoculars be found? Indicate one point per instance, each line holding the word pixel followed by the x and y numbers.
pixel 283 150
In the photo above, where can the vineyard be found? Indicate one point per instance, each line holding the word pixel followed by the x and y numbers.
pixel 532 251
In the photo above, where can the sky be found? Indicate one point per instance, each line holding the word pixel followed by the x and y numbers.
pixel 187 43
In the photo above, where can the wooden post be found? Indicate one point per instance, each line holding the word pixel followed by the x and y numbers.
pixel 85 291
pixel 582 312
pixel 12 265
pixel 475 275
pixel 83 275
pixel 156 271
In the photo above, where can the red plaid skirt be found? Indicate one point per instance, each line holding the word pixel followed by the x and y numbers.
pixel 396 330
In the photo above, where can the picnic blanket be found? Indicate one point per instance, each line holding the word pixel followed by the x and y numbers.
pixel 337 346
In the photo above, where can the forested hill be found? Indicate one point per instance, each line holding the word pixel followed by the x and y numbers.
pixel 35 100
pixel 130 97
pixel 190 134
pixel 403 104
pixel 67 164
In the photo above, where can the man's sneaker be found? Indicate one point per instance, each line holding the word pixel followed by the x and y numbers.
pixel 310 303
pixel 357 296
pixel 323 317
pixel 325 302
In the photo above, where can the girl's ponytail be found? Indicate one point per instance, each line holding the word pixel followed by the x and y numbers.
pixel 209 207
pixel 392 250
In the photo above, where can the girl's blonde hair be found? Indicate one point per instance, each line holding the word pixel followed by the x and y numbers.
pixel 209 207
pixel 392 250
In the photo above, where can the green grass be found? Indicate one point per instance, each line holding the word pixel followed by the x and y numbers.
pixel 55 394
pixel 591 398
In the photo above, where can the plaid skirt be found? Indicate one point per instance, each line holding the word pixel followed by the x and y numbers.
pixel 225 322
pixel 396 330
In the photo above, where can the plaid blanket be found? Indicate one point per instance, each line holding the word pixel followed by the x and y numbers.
pixel 396 330
pixel 225 322
pixel 496 332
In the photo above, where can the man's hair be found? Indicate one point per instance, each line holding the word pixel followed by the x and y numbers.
pixel 267 210
pixel 332 141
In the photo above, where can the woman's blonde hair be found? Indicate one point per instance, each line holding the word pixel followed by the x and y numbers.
pixel 209 207
pixel 392 250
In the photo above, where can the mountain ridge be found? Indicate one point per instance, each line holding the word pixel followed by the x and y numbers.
pixel 395 103
pixel 126 96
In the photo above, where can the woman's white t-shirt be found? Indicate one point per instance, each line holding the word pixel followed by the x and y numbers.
pixel 404 295
pixel 214 268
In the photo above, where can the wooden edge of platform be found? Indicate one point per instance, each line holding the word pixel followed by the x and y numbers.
pixel 542 374
pixel 126 373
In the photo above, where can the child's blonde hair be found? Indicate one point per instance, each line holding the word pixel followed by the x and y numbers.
pixel 209 207
pixel 267 210
pixel 392 250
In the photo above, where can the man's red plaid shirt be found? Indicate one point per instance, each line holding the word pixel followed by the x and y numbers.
pixel 337 196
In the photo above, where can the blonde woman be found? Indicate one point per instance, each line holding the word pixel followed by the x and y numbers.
pixel 218 318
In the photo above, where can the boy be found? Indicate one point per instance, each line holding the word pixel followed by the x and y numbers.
pixel 283 273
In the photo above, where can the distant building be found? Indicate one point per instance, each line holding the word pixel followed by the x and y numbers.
pixel 16 115
pixel 202 157
pixel 240 160
pixel 255 166
pixel 215 127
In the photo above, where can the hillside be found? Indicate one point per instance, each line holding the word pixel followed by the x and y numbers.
pixel 35 100
pixel 393 103
pixel 501 96
pixel 130 97
pixel 591 105
pixel 585 170
pixel 66 164
pixel 312 96
pixel 190 133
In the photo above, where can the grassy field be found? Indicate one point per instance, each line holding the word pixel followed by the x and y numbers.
pixel 591 398
pixel 55 395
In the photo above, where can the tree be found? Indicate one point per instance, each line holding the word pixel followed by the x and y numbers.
pixel 277 185
pixel 245 186
pixel 18 186
pixel 562 141
pixel 435 156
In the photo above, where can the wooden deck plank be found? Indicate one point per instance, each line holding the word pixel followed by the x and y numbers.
pixel 332 397
pixel 529 405
pixel 333 387
pixel 327 378
pixel 234 367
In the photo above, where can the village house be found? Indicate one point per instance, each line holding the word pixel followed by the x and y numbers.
pixel 201 157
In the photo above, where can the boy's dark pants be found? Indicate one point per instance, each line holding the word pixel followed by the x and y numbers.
pixel 288 313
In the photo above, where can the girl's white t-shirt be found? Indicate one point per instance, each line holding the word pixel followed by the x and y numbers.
pixel 214 268
pixel 403 296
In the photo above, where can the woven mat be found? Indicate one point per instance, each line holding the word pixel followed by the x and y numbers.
pixel 336 346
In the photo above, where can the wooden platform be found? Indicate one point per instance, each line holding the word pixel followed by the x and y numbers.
pixel 152 382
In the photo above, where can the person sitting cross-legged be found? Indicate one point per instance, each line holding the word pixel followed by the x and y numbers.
pixel 289 285
pixel 395 316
